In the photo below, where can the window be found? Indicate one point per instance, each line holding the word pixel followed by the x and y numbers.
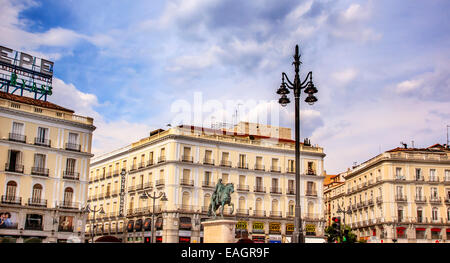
pixel 68 196
pixel 39 160
pixel 15 161
pixel 224 178
pixel 434 214
pixel 400 214
pixel 420 233
pixel 70 165
pixel 207 177
pixel 433 175
pixel 17 128
pixel 419 215
pixel 37 192
pixel 34 222
pixel 434 192
pixel 291 166
pixel 11 187
pixel 418 174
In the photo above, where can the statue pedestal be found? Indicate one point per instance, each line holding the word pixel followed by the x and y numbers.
pixel 219 231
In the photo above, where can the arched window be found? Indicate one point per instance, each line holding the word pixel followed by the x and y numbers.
pixel 258 207
pixel 186 200
pixel 310 209
pixel 11 187
pixel 274 205
pixel 241 203
pixel 37 193
pixel 206 200
pixel 291 208
pixel 68 196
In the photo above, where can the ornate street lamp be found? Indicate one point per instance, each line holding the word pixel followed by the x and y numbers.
pixel 88 209
pixel 163 197
pixel 310 89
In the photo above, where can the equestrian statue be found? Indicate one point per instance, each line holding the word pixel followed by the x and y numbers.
pixel 220 198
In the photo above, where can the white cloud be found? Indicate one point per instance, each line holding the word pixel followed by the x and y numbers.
pixel 345 76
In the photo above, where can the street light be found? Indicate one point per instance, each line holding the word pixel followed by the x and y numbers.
pixel 310 89
pixel 163 197
pixel 341 211
pixel 88 209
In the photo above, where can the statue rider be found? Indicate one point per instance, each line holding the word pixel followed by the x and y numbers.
pixel 217 193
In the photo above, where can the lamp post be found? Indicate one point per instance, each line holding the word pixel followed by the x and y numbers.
pixel 163 197
pixel 297 86
pixel 88 209
pixel 341 211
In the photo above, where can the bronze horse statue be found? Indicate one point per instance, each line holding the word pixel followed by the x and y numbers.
pixel 220 198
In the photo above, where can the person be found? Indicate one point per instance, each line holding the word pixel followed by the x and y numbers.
pixel 7 219
pixel 244 238
pixel 216 193
pixel 2 221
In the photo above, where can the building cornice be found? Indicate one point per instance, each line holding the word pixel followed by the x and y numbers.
pixel 202 140
pixel 49 119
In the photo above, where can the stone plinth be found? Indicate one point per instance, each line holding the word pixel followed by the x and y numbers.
pixel 219 231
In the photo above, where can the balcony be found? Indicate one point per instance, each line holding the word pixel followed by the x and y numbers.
pixel 187 182
pixel 131 188
pixel 242 212
pixel 18 168
pixel 116 173
pixel 379 199
pixel 311 172
pixel 399 177
pixel 208 161
pixel 400 198
pixel 150 162
pixel 275 190
pixel 186 208
pixel 433 179
pixel 242 165
pixel 139 187
pixel 419 178
pixel 42 142
pixel 160 182
pixel 141 165
pixel 69 205
pixel 259 189
pixel 312 216
pixel 370 202
pixel 108 174
pixel 311 192
pixel 148 185
pixel 259 167
pixel 435 200
pixel 208 184
pixel 73 147
pixel 187 158
pixel 291 170
pixel 290 191
pixel 275 214
pixel 225 163
pixel 259 213
pixel 15 137
pixel 161 159
pixel 275 169
pixel 242 187
pixel 11 200
pixel 37 202
pixel 290 214
pixel 40 171
pixel 71 175
pixel 133 167
pixel 420 199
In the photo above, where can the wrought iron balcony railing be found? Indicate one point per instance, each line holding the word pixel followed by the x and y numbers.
pixel 40 171
pixel 37 202
pixel 187 158
pixel 16 137
pixel 71 175
pixel 17 168
pixel 12 200
pixel 42 142
pixel 73 147
pixel 242 187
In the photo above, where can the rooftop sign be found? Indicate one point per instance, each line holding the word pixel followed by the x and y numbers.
pixel 21 72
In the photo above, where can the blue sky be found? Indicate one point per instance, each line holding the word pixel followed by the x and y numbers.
pixel 381 67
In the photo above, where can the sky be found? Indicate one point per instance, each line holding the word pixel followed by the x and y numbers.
pixel 381 67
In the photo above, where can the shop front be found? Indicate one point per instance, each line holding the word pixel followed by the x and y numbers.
pixel 274 232
pixel 258 233
pixel 241 227
pixel 185 227
pixel 289 232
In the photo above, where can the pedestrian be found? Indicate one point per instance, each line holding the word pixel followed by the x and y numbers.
pixel 244 238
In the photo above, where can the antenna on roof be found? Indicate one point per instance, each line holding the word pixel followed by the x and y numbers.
pixel 404 145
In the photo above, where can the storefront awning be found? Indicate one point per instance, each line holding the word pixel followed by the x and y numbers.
pixel 420 229
pixel 436 229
